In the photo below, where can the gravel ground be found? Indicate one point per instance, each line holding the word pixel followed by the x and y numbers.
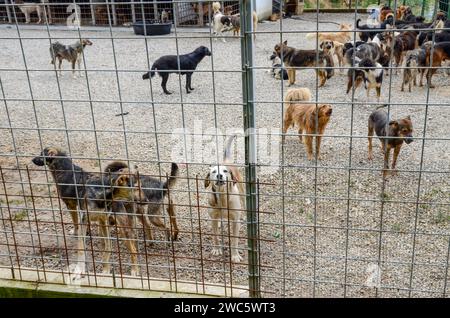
pixel 357 224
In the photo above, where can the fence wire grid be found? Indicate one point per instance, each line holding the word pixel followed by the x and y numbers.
pixel 284 221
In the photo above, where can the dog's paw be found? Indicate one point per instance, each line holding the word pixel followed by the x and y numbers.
pixel 236 258
pixel 216 251
pixel 76 271
pixel 134 272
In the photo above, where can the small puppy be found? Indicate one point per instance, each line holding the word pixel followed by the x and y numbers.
pixel 276 71
pixel 164 16
pixel 226 200
pixel 169 64
pixel 305 117
pixel 411 69
pixel 72 53
pixel 398 131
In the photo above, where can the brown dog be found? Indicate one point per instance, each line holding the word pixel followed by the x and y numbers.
pixel 305 116
pixel 385 11
pixel 400 44
pixel 441 52
pixel 293 58
pixel 397 131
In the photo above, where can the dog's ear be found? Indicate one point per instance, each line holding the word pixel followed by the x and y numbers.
pixel 207 182
pixel 321 45
pixel 233 177
pixel 408 117
pixel 393 124
pixel 122 180
pixel 285 42
pixel 51 152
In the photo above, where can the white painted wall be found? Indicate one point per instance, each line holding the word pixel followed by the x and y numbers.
pixel 263 8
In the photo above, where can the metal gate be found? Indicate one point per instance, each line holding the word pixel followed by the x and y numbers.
pixel 334 224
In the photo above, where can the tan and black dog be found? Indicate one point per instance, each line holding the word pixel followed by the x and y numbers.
pixel 392 133
pixel 293 58
pixel 441 52
pixel 72 53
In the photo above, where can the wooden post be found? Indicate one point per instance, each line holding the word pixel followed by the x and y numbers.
pixel 8 12
pixel 133 13
pixel 92 12
pixel 155 10
pixel 200 14
pixel 113 9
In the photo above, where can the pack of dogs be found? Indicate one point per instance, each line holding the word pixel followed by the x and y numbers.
pixel 120 196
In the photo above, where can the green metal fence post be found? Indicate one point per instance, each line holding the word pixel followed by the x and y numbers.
pixel 248 93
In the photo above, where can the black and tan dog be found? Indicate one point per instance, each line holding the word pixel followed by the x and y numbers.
pixel 169 64
pixel 72 53
pixel 147 197
pixel 392 133
pixel 90 193
pixel 106 198
pixel 293 58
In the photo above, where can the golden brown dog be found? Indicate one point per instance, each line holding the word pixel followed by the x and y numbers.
pixel 343 36
pixel 311 119
pixel 297 95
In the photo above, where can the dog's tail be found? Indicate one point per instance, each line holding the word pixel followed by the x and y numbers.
pixel 150 74
pixel 227 155
pixel 311 36
pixel 115 166
pixel 216 7
pixel 172 178
pixel 357 24
pixel 292 97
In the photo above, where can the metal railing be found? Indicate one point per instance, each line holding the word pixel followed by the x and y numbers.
pixel 310 228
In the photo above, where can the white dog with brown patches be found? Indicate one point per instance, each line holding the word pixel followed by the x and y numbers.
pixel 226 200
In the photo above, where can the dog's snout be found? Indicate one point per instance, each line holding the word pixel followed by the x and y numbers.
pixel 409 139
pixel 38 161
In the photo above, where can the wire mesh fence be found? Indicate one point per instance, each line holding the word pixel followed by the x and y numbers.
pixel 111 176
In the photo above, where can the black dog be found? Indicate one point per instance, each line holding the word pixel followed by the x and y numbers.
pixel 169 64
pixel 369 32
